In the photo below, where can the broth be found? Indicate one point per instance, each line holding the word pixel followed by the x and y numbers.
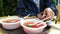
pixel 32 25
pixel 11 20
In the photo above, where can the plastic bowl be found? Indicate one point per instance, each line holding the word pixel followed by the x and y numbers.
pixel 11 25
pixel 33 30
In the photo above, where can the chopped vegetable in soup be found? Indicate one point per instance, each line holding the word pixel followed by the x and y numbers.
pixel 32 25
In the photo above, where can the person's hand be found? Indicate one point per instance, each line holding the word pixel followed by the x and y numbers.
pixel 48 13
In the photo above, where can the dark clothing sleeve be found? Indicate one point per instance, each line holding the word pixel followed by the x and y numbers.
pixel 51 4
pixel 21 8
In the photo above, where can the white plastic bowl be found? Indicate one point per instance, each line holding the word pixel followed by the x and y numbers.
pixel 33 30
pixel 11 25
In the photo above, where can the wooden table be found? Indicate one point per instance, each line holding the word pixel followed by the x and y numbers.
pixel 2 31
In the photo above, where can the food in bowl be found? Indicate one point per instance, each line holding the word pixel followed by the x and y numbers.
pixel 11 23
pixel 32 26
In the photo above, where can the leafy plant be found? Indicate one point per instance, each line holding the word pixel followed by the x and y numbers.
pixel 8 7
pixel 1 8
pixel 55 1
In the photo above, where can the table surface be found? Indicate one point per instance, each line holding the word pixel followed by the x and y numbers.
pixel 54 30
pixel 51 31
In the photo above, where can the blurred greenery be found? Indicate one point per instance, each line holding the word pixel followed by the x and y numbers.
pixel 1 8
pixel 8 7
pixel 55 1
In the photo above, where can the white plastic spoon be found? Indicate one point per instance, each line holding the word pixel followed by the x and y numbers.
pixel 27 16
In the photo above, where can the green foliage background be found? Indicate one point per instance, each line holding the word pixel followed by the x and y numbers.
pixel 8 7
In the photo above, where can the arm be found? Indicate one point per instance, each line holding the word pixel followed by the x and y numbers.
pixel 21 8
pixel 51 4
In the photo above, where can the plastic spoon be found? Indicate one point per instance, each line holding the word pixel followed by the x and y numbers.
pixel 27 16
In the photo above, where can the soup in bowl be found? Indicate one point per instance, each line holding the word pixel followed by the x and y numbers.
pixel 11 23
pixel 32 26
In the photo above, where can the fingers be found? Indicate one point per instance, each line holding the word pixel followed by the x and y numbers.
pixel 41 15
pixel 49 13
